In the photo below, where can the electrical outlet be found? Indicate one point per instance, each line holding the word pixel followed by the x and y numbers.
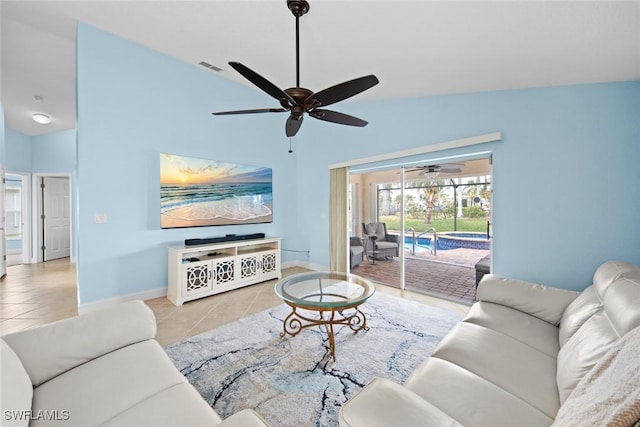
pixel 100 218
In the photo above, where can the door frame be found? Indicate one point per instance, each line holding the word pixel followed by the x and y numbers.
pixel 36 220
pixel 398 159
pixel 26 214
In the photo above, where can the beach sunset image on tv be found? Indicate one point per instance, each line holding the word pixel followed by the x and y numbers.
pixel 197 192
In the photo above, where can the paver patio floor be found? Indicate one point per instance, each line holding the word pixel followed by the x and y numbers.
pixel 449 274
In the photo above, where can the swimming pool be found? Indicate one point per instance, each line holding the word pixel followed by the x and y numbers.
pixel 450 240
pixel 454 240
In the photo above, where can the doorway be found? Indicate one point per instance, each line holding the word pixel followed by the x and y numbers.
pixel 52 194
pixel 440 213
pixel 16 213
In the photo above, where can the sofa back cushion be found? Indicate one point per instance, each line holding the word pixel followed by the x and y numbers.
pixel 577 313
pixel 53 349
pixel 16 390
pixel 595 320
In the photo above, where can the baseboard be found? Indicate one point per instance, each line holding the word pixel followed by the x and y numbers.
pixel 304 264
pixel 14 257
pixel 162 292
pixel 104 303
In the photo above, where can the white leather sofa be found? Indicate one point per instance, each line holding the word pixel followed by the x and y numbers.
pixel 100 369
pixel 514 359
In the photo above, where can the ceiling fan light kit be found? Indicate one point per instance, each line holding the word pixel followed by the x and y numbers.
pixel 298 100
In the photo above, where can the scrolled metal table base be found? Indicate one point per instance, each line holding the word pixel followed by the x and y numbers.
pixel 350 316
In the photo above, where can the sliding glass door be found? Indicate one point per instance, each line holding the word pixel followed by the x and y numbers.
pixel 437 213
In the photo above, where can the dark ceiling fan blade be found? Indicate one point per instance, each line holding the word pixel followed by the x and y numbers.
pixel 335 117
pixel 341 91
pixel 293 124
pixel 260 110
pixel 262 83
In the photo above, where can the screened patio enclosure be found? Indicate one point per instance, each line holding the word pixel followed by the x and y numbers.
pixel 442 220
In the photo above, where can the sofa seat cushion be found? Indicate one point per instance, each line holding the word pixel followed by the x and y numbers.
pixel 178 405
pixel 510 364
pixel 108 386
pixel 383 403
pixel 471 399
pixel 520 326
pixel 356 250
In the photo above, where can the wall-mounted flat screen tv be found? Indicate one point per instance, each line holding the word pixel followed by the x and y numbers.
pixel 198 193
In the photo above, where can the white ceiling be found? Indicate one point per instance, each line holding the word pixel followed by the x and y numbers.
pixel 415 48
pixel 469 169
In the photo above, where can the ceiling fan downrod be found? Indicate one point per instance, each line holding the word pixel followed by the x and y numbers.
pixel 298 8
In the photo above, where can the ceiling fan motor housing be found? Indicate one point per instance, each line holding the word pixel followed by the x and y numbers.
pixel 298 94
pixel 298 7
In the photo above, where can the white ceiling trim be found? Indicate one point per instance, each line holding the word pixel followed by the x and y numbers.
pixel 447 145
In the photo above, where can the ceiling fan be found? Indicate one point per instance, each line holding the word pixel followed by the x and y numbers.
pixel 298 100
pixel 435 170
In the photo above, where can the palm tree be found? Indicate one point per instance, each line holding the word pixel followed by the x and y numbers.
pixel 471 192
pixel 431 196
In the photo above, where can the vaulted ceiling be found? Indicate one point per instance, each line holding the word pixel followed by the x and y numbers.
pixel 415 48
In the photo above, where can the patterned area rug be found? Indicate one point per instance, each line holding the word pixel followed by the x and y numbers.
pixel 291 381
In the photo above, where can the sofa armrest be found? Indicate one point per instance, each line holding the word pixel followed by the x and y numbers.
pixel 52 349
pixel 384 403
pixel 543 302
pixel 355 241
pixel 244 418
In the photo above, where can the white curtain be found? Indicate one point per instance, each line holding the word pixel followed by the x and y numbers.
pixel 338 242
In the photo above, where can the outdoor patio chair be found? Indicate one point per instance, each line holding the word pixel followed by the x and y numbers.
pixel 381 244
pixel 356 251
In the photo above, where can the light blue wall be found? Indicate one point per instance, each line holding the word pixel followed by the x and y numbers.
pixel 134 103
pixel 17 151
pixel 54 152
pixel 566 176
pixel 47 153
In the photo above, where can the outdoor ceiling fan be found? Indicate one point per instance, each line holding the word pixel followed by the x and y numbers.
pixel 434 170
pixel 298 100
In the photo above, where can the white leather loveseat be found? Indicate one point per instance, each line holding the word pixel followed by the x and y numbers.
pixel 517 356
pixel 100 369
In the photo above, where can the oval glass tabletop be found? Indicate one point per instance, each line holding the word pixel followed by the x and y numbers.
pixel 324 289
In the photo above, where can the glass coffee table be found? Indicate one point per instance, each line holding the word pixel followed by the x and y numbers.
pixel 334 297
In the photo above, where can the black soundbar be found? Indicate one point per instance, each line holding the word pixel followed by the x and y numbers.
pixel 227 238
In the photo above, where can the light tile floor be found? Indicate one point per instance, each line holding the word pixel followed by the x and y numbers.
pixel 35 294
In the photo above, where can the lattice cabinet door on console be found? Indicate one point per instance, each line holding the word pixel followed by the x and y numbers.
pixel 203 270
pixel 198 277
pixel 260 264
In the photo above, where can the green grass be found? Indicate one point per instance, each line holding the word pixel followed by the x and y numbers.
pixel 463 224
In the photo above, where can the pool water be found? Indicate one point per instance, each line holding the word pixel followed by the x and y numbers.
pixel 452 240
pixel 423 244
pixel 464 240
pixel 479 236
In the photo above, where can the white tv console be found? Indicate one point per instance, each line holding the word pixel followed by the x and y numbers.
pixel 202 270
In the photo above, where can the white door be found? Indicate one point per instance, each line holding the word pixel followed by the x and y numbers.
pixel 57 217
